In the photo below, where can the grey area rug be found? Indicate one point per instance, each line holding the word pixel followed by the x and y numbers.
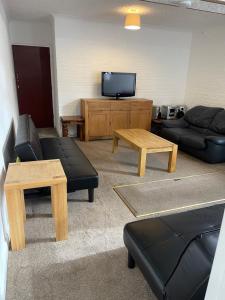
pixel 168 196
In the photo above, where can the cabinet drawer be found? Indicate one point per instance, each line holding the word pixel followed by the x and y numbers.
pixel 120 105
pixel 141 105
pixel 98 106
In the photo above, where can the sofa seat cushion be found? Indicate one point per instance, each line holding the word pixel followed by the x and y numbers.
pixel 175 134
pixel 79 171
pixel 201 116
pixel 149 240
pixel 196 141
pixel 218 123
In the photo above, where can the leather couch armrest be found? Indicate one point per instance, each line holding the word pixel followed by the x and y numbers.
pixel 180 123
pixel 218 140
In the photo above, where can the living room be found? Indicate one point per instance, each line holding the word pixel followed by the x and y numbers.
pixel 177 58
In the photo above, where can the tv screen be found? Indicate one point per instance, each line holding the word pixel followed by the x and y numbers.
pixel 117 85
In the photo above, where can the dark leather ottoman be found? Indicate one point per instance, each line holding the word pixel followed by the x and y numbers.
pixel 79 171
pixel 175 252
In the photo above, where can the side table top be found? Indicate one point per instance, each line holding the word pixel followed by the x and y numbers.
pixel 25 175
pixel 72 119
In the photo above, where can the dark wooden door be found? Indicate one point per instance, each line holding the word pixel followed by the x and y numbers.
pixel 33 82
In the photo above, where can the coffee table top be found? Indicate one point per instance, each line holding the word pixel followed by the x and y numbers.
pixel 31 174
pixel 142 138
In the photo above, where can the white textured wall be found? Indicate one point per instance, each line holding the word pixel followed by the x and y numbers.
pixel 8 113
pixel 30 33
pixel 159 57
pixel 206 77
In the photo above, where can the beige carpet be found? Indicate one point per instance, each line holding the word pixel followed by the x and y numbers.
pixel 163 197
pixel 92 263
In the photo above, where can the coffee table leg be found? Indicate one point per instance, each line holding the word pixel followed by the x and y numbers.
pixel 60 210
pixel 142 162
pixel 16 219
pixel 115 143
pixel 172 159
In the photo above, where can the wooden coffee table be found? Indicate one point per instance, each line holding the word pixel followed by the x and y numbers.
pixel 145 142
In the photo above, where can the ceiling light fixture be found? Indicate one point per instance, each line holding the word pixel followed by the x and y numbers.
pixel 132 21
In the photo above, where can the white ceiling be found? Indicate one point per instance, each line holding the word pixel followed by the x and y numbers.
pixel 153 14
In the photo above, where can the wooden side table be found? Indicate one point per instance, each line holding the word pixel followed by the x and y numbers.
pixel 35 174
pixel 73 120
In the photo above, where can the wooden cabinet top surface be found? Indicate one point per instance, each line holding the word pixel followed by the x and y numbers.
pixel 114 100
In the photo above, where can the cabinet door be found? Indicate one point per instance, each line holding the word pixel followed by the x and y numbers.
pixel 99 123
pixel 140 119
pixel 119 120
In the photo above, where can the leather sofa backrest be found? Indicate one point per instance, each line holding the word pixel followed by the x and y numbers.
pixel 218 123
pixel 201 116
pixel 27 144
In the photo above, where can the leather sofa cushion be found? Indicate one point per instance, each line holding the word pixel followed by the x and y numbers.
pixel 218 123
pixel 201 116
pixel 199 129
pixel 175 134
pixel 27 144
pixel 196 141
pixel 79 171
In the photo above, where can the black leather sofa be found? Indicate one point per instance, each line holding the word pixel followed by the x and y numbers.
pixel 175 252
pixel 201 133
pixel 79 171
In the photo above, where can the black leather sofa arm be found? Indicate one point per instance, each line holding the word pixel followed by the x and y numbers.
pixel 218 140
pixel 180 123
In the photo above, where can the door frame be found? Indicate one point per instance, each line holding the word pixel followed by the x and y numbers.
pixel 53 77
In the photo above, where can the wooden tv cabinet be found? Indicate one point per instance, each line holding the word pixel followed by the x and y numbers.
pixel 102 116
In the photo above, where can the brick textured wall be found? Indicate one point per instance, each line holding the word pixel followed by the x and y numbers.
pixel 206 76
pixel 159 57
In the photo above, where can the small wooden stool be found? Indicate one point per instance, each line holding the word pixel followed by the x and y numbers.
pixel 35 174
pixel 73 120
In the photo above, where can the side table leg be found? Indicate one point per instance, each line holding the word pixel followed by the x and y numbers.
pixel 81 132
pixel 65 129
pixel 172 159
pixel 16 219
pixel 142 162
pixel 60 210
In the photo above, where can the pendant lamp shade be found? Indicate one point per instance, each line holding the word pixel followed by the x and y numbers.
pixel 132 22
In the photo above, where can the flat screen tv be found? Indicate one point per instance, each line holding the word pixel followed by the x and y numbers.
pixel 115 84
